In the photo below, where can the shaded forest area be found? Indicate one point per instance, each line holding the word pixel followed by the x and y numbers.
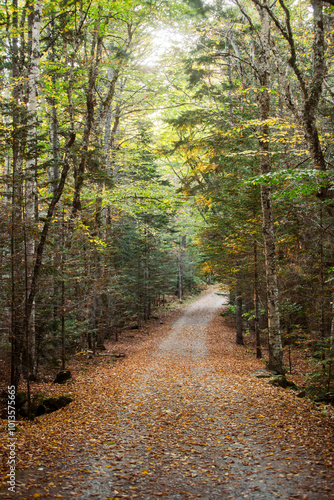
pixel 150 147
pixel 90 237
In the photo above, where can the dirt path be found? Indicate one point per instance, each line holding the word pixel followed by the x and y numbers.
pixel 185 417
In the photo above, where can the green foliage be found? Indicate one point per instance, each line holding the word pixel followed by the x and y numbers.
pixel 321 379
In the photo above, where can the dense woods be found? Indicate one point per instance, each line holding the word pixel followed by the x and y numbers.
pixel 150 147
pixel 90 232
pixel 257 150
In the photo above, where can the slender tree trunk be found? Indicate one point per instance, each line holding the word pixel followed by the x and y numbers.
pixel 256 304
pixel 107 133
pixel 275 345
pixel 331 347
pixel 107 114
pixel 312 97
pixel 63 332
pixel 139 295
pixel 98 274
pixel 182 251
pixel 16 216
pixel 146 277
pixel 238 314
pixel 27 333
pixel 322 278
pixel 62 294
pixel 8 164
pixel 31 165
pixel 16 266
pixel 79 172
pixel 53 172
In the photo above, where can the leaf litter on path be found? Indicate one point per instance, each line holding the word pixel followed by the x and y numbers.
pixel 182 416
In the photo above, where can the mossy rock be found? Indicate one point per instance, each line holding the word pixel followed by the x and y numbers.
pixel 37 402
pixel 40 406
pixel 292 385
pixel 54 404
pixel 281 381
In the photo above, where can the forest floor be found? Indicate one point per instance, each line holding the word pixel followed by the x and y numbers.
pixel 181 416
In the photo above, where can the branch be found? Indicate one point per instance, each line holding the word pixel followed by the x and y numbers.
pixel 284 83
pixel 40 249
pixel 288 35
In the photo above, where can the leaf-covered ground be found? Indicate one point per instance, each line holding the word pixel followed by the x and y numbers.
pixel 182 416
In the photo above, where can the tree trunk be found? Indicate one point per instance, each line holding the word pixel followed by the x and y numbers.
pixel 322 277
pixel 238 313
pixel 182 252
pixel 16 216
pixel 275 345
pixel 30 174
pixel 79 172
pixel 256 304
pixel 53 172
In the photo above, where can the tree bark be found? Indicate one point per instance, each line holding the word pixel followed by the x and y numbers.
pixel 53 122
pixel 256 304
pixel 238 314
pixel 180 284
pixel 30 173
pixel 79 172
pixel 17 297
pixel 275 345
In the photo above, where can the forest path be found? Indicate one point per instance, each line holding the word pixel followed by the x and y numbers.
pixel 184 417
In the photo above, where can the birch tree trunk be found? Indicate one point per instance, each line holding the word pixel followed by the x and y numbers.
pixel 16 201
pixel 30 186
pixel 275 345
pixel 53 172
